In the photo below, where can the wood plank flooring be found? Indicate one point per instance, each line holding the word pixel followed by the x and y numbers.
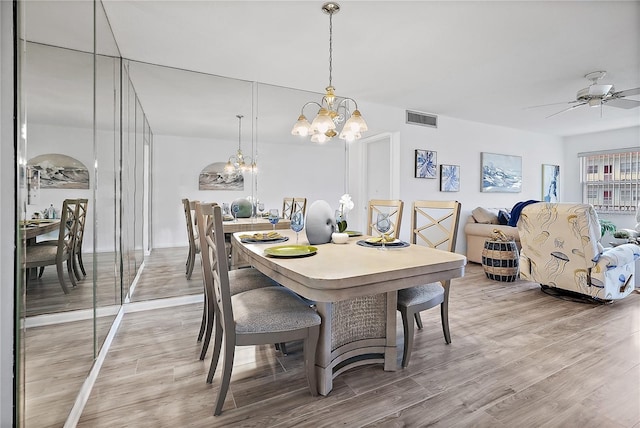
pixel 519 358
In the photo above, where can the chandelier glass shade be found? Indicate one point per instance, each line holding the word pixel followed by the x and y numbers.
pixel 332 110
pixel 240 162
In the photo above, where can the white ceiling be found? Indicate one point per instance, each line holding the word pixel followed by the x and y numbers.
pixel 484 61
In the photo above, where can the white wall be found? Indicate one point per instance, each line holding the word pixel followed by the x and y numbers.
pixel 617 139
pixel 317 171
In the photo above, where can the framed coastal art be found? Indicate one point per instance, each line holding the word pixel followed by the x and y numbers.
pixel 550 178
pixel 426 164
pixel 215 177
pixel 58 171
pixel 501 173
pixel 449 178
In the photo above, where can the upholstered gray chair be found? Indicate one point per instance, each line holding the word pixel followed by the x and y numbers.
pixel 240 280
pixel 255 317
pixel 39 256
pixel 434 224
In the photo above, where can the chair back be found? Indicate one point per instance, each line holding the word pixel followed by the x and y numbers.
pixel 299 206
pixel 81 218
pixel 393 207
pixel 68 228
pixel 214 263
pixel 435 224
pixel 287 208
pixel 188 207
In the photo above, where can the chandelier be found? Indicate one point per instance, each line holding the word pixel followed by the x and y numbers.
pixel 239 162
pixel 332 112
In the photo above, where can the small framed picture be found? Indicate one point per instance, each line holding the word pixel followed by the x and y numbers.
pixel 449 178
pixel 426 164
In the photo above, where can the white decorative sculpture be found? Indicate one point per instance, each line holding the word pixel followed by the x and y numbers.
pixel 320 223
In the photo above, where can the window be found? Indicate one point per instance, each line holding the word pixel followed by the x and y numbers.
pixel 611 180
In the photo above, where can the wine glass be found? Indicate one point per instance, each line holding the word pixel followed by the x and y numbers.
pixel 260 208
pixel 297 223
pixel 274 217
pixel 235 208
pixel 383 224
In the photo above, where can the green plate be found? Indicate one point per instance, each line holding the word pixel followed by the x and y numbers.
pixel 352 233
pixel 291 251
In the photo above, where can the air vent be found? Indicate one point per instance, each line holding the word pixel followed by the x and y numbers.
pixel 423 119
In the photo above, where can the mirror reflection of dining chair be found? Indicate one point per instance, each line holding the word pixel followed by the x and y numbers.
pixel 392 207
pixel 81 218
pixel 39 256
pixel 194 245
pixel 287 208
pixel 240 279
pixel 433 224
pixel 256 317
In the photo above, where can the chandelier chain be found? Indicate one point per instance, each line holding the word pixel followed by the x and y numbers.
pixel 330 48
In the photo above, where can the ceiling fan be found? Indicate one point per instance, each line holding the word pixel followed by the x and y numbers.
pixel 598 95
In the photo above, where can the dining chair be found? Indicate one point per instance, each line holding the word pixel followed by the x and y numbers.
pixel 433 224
pixel 299 206
pixel 39 256
pixel 194 245
pixel 287 208
pixel 392 207
pixel 81 218
pixel 240 280
pixel 256 317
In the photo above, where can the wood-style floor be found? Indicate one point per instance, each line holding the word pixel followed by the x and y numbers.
pixel 519 358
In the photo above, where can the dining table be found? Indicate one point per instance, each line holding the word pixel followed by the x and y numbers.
pixel 33 228
pixel 249 224
pixel 354 288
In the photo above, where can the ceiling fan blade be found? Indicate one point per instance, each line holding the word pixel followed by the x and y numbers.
pixel 565 110
pixel 623 103
pixel 599 90
pixel 626 93
pixel 552 104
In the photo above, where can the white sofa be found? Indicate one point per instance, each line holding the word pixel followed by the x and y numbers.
pixel 480 226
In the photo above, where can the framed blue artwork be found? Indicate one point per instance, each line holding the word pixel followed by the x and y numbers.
pixel 550 178
pixel 449 178
pixel 426 164
pixel 501 173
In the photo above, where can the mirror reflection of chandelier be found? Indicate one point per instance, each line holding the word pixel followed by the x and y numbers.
pixel 240 162
pixel 332 112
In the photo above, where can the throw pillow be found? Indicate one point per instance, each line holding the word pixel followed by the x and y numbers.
pixel 483 215
pixel 503 217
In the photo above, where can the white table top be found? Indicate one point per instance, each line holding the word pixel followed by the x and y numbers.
pixel 342 271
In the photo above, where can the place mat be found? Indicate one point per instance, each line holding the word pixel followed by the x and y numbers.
pixel 264 241
pixel 395 244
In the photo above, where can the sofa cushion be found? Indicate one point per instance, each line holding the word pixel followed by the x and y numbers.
pixel 503 217
pixel 483 215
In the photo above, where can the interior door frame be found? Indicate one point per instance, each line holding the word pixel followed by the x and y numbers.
pixel 358 167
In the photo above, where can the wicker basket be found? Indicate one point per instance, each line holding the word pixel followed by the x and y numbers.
pixel 500 257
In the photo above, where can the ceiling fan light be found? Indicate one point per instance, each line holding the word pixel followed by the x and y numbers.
pixel 301 127
pixel 595 102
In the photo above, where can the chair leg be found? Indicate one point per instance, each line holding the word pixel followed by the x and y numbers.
pixel 76 268
pixel 227 367
pixel 203 323
pixel 282 347
pixel 407 324
pixel 79 255
pixel 444 315
pixel 310 345
pixel 208 330
pixel 418 320
pixel 41 271
pixel 217 345
pixel 72 276
pixel 191 263
pixel 63 284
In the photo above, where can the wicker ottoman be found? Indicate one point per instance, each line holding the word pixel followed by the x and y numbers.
pixel 500 258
